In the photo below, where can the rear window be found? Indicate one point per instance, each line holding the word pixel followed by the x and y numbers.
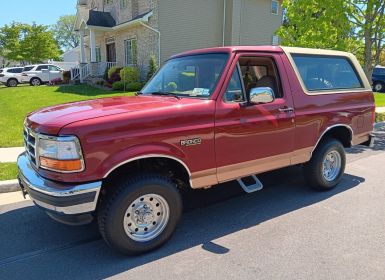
pixel 379 71
pixel 27 68
pixel 321 73
pixel 15 70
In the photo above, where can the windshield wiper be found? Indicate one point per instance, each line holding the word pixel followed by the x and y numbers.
pixel 164 93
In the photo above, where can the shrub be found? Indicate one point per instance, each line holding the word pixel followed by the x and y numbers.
pixel 153 67
pixel 114 69
pixel 130 75
pixel 115 77
pixel 56 81
pixel 135 86
pixel 119 85
pixel 66 77
pixel 380 117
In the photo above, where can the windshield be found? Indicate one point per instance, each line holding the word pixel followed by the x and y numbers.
pixel 190 76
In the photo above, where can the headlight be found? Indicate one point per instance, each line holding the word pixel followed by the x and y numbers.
pixel 61 154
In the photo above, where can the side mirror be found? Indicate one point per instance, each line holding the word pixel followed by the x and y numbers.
pixel 261 95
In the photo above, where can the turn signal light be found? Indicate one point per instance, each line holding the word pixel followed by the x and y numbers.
pixel 61 165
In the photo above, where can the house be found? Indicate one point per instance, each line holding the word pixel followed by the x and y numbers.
pixel 128 32
pixel 72 55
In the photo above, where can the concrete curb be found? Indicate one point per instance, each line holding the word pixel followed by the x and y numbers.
pixel 9 186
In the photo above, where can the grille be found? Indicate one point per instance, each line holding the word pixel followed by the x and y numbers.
pixel 30 144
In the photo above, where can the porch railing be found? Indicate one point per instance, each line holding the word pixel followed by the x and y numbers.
pixel 82 72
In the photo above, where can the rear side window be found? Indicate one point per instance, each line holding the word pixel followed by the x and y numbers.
pixel 15 70
pixel 27 68
pixel 42 67
pixel 321 73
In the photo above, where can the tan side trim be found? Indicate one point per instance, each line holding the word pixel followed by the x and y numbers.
pixel 205 178
pixel 239 170
pixel 360 138
pixel 301 155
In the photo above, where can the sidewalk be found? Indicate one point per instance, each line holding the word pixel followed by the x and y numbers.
pixel 380 110
pixel 10 154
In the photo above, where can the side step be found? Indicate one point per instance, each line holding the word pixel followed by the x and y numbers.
pixel 250 184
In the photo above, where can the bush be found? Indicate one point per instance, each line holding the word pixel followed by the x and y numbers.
pixel 153 67
pixel 171 86
pixel 66 77
pixel 130 75
pixel 114 69
pixel 115 77
pixel 56 81
pixel 119 85
pixel 135 86
pixel 380 117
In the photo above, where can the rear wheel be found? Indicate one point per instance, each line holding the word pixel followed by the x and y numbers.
pixel 140 215
pixel 35 82
pixel 379 87
pixel 326 167
pixel 12 83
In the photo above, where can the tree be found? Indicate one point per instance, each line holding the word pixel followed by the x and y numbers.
pixel 315 24
pixel 368 22
pixel 28 43
pixel 152 68
pixel 64 34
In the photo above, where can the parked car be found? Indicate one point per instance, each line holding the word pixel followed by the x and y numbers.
pixel 378 79
pixel 11 76
pixel 37 75
pixel 206 117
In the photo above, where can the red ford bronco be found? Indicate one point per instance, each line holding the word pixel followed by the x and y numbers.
pixel 208 116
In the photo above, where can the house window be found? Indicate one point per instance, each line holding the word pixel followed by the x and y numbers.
pixel 274 7
pixel 123 4
pixel 98 54
pixel 108 2
pixel 275 40
pixel 130 52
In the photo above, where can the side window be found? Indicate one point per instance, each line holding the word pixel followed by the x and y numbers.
pixel 234 91
pixel 320 73
pixel 42 67
pixel 274 7
pixel 53 68
pixel 260 72
pixel 19 70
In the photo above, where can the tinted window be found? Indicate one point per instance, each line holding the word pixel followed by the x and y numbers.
pixel 1 70
pixel 15 70
pixel 27 68
pixel 326 73
pixel 53 68
pixel 379 71
pixel 42 67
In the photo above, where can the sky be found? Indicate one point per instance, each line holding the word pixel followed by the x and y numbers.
pixel 45 12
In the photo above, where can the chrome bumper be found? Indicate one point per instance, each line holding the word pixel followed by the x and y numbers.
pixel 58 197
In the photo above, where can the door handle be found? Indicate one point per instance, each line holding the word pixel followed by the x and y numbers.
pixel 286 109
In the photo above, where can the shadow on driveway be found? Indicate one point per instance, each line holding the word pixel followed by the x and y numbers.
pixel 33 246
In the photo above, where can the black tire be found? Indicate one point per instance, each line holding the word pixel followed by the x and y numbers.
pixel 313 170
pixel 35 82
pixel 12 83
pixel 379 87
pixel 112 212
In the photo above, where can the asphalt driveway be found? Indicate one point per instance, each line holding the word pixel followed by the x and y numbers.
pixel 285 231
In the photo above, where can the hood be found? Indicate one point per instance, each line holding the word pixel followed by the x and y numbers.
pixel 51 119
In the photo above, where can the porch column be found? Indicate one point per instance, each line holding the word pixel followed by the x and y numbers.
pixel 92 45
pixel 82 48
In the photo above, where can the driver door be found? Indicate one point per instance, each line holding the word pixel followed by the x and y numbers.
pixel 251 139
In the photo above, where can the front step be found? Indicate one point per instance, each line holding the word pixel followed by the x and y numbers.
pixel 250 187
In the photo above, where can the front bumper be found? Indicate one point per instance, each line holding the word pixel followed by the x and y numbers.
pixel 56 197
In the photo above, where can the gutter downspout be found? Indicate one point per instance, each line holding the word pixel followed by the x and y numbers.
pixel 224 22
pixel 157 32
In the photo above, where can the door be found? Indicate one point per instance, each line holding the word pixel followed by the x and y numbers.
pixel 111 53
pixel 252 139
pixel 55 72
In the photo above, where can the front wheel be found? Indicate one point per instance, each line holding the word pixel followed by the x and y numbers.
pixel 140 215
pixel 326 167
pixel 35 82
pixel 378 87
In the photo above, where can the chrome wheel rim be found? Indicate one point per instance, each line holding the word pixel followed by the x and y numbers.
pixel 331 166
pixel 146 217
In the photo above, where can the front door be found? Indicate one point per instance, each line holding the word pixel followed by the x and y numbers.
pixel 111 53
pixel 251 139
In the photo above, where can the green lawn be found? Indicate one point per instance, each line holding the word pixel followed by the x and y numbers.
pixel 8 171
pixel 16 103
pixel 380 99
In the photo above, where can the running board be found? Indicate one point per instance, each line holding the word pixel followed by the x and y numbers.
pixel 253 187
